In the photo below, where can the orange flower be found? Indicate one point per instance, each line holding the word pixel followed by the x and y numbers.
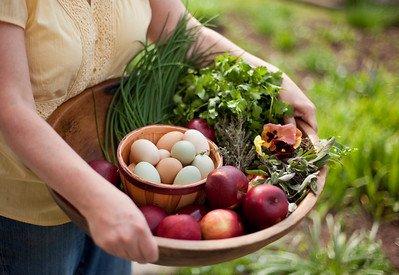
pixel 281 138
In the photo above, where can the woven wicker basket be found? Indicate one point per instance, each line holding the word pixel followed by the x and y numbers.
pixel 166 196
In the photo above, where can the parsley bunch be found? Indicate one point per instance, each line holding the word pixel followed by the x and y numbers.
pixel 231 87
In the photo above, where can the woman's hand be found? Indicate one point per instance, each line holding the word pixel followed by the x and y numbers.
pixel 119 227
pixel 303 107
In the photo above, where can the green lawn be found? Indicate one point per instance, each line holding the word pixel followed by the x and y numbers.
pixel 348 62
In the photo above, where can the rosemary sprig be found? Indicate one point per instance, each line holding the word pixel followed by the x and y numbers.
pixel 235 142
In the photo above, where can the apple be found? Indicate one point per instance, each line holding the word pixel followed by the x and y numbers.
pixel 154 215
pixel 107 170
pixel 197 211
pixel 225 187
pixel 265 205
pixel 183 227
pixel 221 224
pixel 201 125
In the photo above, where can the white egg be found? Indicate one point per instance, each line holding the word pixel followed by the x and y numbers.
pixel 204 164
pixel 199 141
pixel 163 154
pixel 147 171
pixel 144 150
pixel 187 175
pixel 184 151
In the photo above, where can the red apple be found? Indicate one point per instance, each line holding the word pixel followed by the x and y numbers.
pixel 197 211
pixel 183 227
pixel 107 170
pixel 201 125
pixel 225 187
pixel 154 215
pixel 221 224
pixel 265 205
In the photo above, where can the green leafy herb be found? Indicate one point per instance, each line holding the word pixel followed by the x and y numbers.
pixel 235 143
pixel 234 88
pixel 297 175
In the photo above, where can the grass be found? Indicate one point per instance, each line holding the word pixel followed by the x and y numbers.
pixel 317 60
pixel 364 116
pixel 339 253
pixel 356 96
pixel 371 16
pixel 347 61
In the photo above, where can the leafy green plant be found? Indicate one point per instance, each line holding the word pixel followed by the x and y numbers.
pixel 207 11
pixel 297 175
pixel 286 40
pixel 277 23
pixel 318 60
pixel 365 116
pixel 231 87
pixel 273 18
pixel 338 253
pixel 338 35
pixel 145 94
pixel 235 142
pixel 368 15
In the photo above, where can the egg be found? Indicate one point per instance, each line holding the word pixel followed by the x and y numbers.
pixel 184 151
pixel 199 141
pixel 169 139
pixel 163 154
pixel 187 175
pixel 144 150
pixel 147 171
pixel 168 169
pixel 204 164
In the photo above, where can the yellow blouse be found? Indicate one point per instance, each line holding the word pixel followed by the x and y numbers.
pixel 71 45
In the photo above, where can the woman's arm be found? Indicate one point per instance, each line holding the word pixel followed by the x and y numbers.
pixel 115 222
pixel 170 12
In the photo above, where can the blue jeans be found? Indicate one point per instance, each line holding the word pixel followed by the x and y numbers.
pixel 63 249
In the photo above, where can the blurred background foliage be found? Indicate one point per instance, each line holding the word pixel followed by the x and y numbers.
pixel 347 59
pixel 340 253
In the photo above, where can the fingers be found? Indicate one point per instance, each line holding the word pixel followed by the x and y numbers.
pixel 110 247
pixel 303 107
pixel 148 245
pixel 308 115
pixel 141 245
pixel 290 120
pixel 134 254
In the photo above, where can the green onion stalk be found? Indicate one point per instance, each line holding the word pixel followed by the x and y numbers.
pixel 146 91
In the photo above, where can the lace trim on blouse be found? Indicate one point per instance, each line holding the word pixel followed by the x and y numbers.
pixel 104 45
pixel 97 33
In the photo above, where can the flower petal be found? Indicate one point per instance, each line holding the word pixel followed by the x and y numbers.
pixel 298 138
pixel 258 142
pixel 286 133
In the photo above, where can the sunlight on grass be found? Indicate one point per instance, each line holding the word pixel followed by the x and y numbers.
pixel 338 57
pixel 306 253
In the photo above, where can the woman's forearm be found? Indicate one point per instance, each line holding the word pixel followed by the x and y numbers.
pixel 212 42
pixel 50 157
pixel 114 221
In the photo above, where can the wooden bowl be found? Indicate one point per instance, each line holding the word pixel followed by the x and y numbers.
pixel 75 122
pixel 166 196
